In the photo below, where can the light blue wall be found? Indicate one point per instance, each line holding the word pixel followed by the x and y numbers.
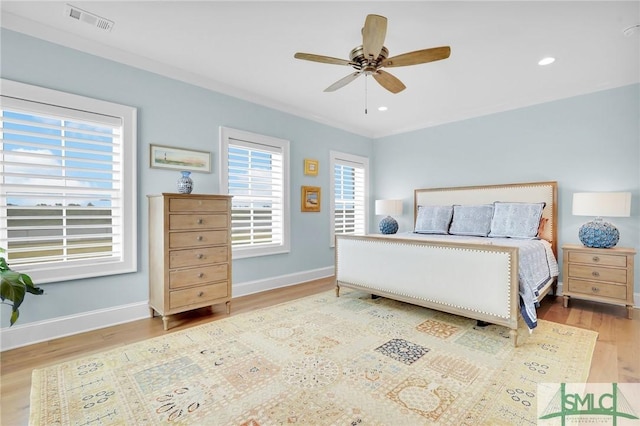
pixel 176 114
pixel 586 143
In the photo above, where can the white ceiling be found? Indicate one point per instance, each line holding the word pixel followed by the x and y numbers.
pixel 245 49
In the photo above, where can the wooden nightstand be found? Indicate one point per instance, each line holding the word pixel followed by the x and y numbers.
pixel 602 275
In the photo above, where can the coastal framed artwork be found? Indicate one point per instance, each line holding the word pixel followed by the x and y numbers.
pixel 310 167
pixel 310 200
pixel 168 157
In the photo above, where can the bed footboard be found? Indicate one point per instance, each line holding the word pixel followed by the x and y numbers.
pixel 472 280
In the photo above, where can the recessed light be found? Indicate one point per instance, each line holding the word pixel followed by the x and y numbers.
pixel 382 108
pixel 546 61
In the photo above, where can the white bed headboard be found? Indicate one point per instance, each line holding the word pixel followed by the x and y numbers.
pixel 531 192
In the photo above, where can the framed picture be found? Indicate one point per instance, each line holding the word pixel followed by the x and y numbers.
pixel 310 201
pixel 167 157
pixel 310 167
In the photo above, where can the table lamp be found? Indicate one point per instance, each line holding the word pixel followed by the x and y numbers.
pixel 388 225
pixel 598 233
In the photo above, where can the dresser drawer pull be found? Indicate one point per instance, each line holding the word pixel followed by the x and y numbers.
pixel 200 221
pixel 595 289
pixel 200 256
pixel 595 273
pixel 199 238
pixel 595 259
pixel 201 275
pixel 201 294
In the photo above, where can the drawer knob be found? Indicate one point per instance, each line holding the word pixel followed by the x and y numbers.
pixel 200 221
pixel 201 274
pixel 200 256
pixel 595 289
pixel 199 238
pixel 595 259
pixel 201 294
pixel 595 273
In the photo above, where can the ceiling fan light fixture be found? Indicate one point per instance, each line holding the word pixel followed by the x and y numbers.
pixel 368 58
pixel 546 61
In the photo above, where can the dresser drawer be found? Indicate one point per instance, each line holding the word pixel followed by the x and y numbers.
pixel 197 295
pixel 598 259
pixel 598 289
pixel 197 205
pixel 596 273
pixel 198 257
pixel 197 238
pixel 197 221
pixel 197 276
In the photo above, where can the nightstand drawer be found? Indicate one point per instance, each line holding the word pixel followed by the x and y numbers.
pixel 197 295
pixel 600 274
pixel 598 259
pixel 598 289
pixel 197 221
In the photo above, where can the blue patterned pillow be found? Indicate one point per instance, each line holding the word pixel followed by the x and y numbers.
pixel 433 219
pixel 516 220
pixel 471 220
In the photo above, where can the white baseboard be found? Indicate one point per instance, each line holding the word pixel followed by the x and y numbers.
pixel 251 287
pixel 41 331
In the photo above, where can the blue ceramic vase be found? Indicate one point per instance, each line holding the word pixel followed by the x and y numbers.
pixel 185 183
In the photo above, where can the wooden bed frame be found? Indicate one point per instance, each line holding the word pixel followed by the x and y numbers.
pixel 478 281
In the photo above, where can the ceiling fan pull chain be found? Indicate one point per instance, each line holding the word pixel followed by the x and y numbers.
pixel 365 93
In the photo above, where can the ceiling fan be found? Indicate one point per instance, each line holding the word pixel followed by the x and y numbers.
pixel 372 55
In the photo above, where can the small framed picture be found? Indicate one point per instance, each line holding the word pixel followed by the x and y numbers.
pixel 310 167
pixel 310 201
pixel 166 157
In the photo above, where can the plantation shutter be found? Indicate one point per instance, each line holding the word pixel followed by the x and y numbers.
pixel 349 197
pixel 256 181
pixel 61 177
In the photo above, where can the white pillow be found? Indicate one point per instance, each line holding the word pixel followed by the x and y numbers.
pixel 516 220
pixel 433 219
pixel 472 220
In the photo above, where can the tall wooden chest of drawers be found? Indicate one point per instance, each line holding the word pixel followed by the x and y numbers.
pixel 602 275
pixel 189 252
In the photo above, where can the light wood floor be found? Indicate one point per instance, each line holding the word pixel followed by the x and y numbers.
pixel 615 358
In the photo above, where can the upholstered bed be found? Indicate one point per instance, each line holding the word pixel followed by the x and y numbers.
pixel 481 272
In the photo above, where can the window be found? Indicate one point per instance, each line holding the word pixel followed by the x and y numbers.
pixel 255 170
pixel 68 194
pixel 349 199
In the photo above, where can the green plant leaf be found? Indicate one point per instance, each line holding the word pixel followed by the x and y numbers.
pixel 14 286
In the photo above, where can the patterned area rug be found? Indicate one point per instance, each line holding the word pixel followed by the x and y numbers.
pixel 319 360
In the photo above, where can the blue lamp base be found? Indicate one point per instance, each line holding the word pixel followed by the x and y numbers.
pixel 388 225
pixel 599 234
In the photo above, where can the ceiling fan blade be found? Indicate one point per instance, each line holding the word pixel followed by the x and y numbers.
pixel 373 35
pixel 418 57
pixel 320 58
pixel 343 82
pixel 388 81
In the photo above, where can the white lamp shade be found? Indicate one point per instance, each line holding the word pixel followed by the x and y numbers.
pixel 602 204
pixel 388 207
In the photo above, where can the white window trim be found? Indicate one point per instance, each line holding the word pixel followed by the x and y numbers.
pixel 128 262
pixel 227 134
pixel 335 156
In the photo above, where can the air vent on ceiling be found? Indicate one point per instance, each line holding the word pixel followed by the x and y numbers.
pixel 88 18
